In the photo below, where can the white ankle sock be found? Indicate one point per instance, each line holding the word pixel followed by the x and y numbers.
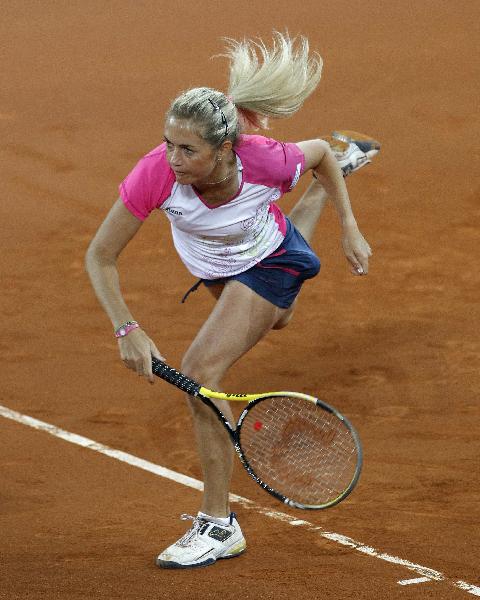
pixel 218 520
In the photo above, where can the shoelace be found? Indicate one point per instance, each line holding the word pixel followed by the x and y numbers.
pixel 192 532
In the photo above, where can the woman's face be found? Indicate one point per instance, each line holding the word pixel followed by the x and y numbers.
pixel 192 159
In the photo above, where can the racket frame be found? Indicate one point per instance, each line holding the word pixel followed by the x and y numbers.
pixel 193 388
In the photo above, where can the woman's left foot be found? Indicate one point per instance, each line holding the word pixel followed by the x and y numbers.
pixel 353 150
pixel 367 144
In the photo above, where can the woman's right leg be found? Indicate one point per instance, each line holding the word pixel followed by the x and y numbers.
pixel 237 322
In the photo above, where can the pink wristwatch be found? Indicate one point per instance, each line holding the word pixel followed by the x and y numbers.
pixel 126 328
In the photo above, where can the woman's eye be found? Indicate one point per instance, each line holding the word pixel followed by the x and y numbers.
pixel 188 152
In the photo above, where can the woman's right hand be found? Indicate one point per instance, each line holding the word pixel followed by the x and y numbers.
pixel 136 351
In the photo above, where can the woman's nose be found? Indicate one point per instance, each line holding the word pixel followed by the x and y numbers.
pixel 176 157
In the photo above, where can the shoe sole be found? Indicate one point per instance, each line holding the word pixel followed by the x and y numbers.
pixel 335 144
pixel 164 564
pixel 367 144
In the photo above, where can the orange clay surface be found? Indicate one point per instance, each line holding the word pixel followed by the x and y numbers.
pixel 84 89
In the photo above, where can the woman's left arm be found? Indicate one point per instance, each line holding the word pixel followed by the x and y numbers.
pixel 320 158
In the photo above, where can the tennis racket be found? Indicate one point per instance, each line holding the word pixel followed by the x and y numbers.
pixel 296 447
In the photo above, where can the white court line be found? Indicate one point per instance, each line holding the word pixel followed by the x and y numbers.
pixel 416 580
pixel 426 573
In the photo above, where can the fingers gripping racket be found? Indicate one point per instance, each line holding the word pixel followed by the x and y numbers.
pixel 296 447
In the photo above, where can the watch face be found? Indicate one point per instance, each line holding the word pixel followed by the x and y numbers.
pixel 124 329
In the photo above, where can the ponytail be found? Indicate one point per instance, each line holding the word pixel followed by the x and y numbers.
pixel 278 85
pixel 264 83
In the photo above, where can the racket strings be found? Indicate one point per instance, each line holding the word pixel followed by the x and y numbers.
pixel 299 449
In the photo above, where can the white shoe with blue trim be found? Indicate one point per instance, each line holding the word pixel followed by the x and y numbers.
pixel 207 541
pixel 357 151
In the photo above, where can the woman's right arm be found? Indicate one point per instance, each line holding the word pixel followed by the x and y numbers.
pixel 118 228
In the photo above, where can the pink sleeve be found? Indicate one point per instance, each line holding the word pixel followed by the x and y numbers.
pixel 294 165
pixel 270 162
pixel 148 185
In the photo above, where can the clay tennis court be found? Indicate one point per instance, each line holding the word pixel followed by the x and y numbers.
pixel 84 89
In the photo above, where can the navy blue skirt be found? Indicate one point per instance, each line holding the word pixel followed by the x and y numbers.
pixel 279 277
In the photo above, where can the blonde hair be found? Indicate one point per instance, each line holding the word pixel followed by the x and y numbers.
pixel 264 83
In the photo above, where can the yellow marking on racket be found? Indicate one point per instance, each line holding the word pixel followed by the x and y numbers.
pixel 251 397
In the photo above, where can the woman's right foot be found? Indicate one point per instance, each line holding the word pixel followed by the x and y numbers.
pixel 207 540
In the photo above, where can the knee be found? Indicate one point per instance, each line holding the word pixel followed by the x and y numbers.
pixel 201 370
pixel 206 376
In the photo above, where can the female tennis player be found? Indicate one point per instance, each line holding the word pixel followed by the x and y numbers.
pixel 218 187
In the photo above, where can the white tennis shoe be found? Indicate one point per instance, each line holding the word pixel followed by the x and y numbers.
pixel 354 150
pixel 352 159
pixel 204 543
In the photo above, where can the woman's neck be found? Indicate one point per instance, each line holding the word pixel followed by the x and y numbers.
pixel 221 180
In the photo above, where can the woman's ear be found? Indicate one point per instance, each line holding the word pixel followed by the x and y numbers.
pixel 224 150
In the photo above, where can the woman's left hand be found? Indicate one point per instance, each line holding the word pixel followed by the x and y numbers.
pixel 356 249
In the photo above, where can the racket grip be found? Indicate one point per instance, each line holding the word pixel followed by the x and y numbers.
pixel 179 380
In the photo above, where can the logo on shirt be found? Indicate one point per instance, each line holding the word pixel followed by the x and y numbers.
pixel 275 196
pixel 297 176
pixel 174 211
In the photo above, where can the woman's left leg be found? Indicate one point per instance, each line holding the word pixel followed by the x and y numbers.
pixel 306 212
pixel 305 216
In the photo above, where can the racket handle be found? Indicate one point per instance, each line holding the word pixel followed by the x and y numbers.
pixel 181 381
